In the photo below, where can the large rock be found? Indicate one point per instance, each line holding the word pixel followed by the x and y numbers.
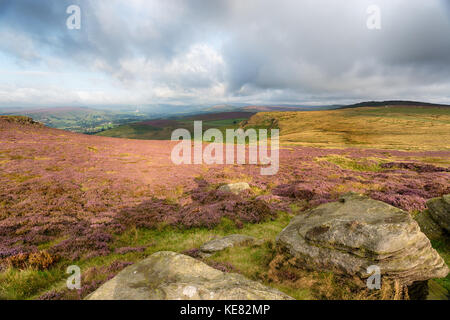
pixel 428 226
pixel 232 240
pixel 168 275
pixel 348 236
pixel 439 209
pixel 235 188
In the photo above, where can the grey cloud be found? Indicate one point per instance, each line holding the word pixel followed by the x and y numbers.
pixel 277 51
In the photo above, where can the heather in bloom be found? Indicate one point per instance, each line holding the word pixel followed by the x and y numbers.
pixel 75 193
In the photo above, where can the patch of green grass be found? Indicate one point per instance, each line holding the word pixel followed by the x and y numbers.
pixel 22 284
pixel 253 262
pixel 17 177
pixel 135 131
pixel 442 246
pixel 352 164
pixel 177 240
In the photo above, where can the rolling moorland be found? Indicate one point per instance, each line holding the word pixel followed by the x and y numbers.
pixel 91 121
pixel 162 128
pixel 386 127
pixel 104 203
pixel 398 127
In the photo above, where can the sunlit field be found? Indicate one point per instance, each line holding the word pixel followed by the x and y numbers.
pixel 390 127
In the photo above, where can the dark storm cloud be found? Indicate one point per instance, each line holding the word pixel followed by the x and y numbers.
pixel 277 51
pixel 42 21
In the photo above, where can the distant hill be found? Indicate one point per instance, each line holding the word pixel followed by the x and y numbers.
pixel 92 120
pixel 264 108
pixel 59 110
pixel 383 126
pixel 393 103
pixel 221 108
pixel 221 116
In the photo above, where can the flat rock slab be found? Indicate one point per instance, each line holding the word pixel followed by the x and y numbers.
pixel 232 240
pixel 168 275
pixel 439 209
pixel 348 236
pixel 235 188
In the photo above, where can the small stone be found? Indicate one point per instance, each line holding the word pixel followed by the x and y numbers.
pixel 232 240
pixel 235 188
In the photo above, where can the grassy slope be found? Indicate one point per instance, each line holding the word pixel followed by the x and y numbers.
pixel 392 127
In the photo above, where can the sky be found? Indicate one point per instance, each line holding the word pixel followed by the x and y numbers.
pixel 182 52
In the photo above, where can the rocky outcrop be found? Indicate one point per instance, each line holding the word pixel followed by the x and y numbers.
pixel 20 120
pixel 439 209
pixel 232 240
pixel 168 275
pixel 348 236
pixel 235 188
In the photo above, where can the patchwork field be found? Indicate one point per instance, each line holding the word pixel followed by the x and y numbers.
pixel 103 203
pixel 83 120
pixel 161 129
